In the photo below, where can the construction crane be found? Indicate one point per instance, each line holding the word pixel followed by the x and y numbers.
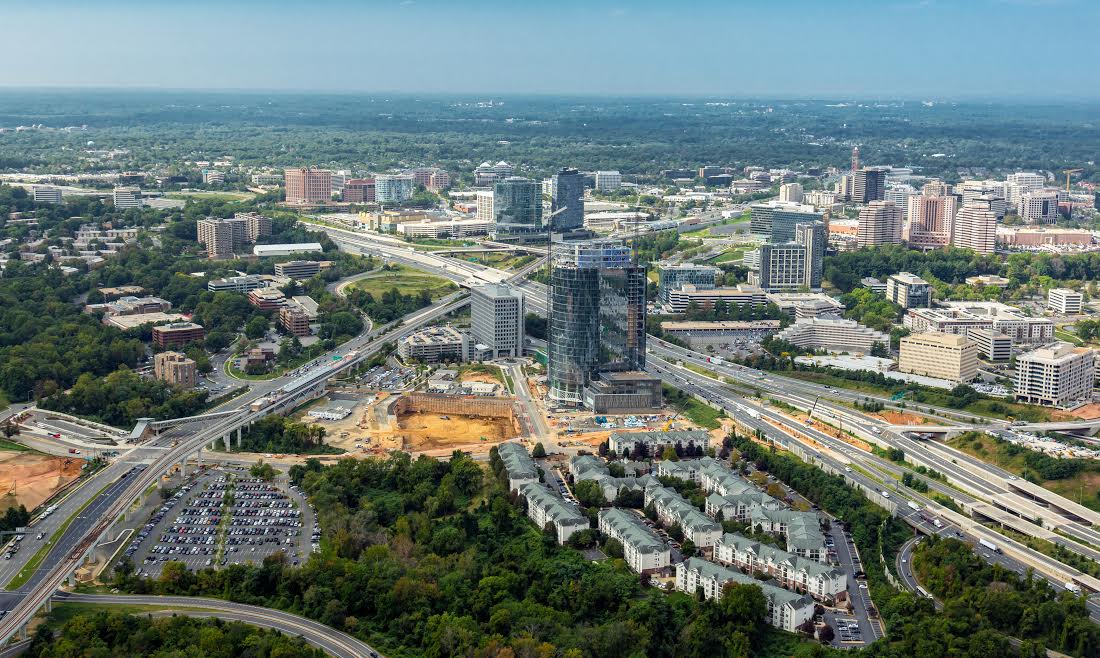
pixel 1068 173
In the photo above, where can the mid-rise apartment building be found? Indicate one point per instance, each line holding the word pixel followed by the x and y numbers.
pixel 175 368
pixel 1055 375
pixel 976 227
pixel 672 509
pixel 177 334
pixel 518 465
pixel 880 222
pixel 545 508
pixel 626 443
pixel 943 356
pixel 643 550
pixel 931 221
pixel 819 580
pixel 787 610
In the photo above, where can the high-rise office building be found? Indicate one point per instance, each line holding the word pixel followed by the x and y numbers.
pixel 597 315
pixel 1055 375
pixel 517 208
pixel 487 173
pixel 126 197
pixel 485 206
pixel 567 195
pixel 975 227
pixel 608 181
pixel 790 192
pixel 308 185
pixel 775 220
pixel 935 187
pixel 44 194
pixel 393 188
pixel 814 236
pixel 496 318
pixel 931 221
pixel 782 267
pixel 1039 207
pixel 359 190
pixel 672 277
pixel 880 222
pixel 222 236
pixel 869 184
pixel 900 194
pixel 1020 183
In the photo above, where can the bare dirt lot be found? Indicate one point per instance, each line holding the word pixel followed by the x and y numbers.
pixel 901 418
pixel 428 431
pixel 28 479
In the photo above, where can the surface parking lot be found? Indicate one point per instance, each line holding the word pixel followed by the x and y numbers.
pixel 223 518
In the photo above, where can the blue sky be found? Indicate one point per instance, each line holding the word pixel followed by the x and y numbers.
pixel 1020 49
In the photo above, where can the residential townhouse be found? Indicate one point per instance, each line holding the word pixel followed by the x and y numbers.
pixel 643 550
pixel 518 464
pixel 819 580
pixel 787 610
pixel 544 507
pixel 672 509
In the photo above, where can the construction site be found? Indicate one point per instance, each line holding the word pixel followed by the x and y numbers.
pixel 433 424
pixel 29 479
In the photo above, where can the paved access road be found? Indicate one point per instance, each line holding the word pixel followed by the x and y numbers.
pixel 332 641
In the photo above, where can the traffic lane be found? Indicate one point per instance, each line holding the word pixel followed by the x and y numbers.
pixel 332 641
pixel 16 649
pixel 83 522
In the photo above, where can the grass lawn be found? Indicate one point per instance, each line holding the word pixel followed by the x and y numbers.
pixel 1068 337
pixel 481 369
pixel 1081 488
pixel 217 196
pixel 406 279
pixel 692 409
pixel 501 260
pixel 11 445
pixel 730 256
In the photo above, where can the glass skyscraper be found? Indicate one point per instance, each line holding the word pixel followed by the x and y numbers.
pixel 568 193
pixel 517 207
pixel 597 315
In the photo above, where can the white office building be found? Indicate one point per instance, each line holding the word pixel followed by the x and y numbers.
pixel 1018 184
pixel 791 192
pixel 833 334
pixel 1039 207
pixel 1055 375
pixel 126 197
pixel 496 318
pixel 485 206
pixel 47 194
pixel 1064 301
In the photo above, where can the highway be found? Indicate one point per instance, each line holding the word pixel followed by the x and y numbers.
pixel 332 641
pixel 69 551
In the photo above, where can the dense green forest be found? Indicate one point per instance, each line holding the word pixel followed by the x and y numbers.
pixel 362 131
pixel 429 558
pixel 947 270
pixel 111 633
pixel 983 601
pixel 280 434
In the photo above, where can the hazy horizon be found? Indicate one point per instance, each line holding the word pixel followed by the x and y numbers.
pixel 796 50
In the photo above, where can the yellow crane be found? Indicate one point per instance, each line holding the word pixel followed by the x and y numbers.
pixel 1068 173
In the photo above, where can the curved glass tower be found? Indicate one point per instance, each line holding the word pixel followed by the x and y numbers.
pixel 597 315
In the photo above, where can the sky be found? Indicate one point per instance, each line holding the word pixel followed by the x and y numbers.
pixel 1035 50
